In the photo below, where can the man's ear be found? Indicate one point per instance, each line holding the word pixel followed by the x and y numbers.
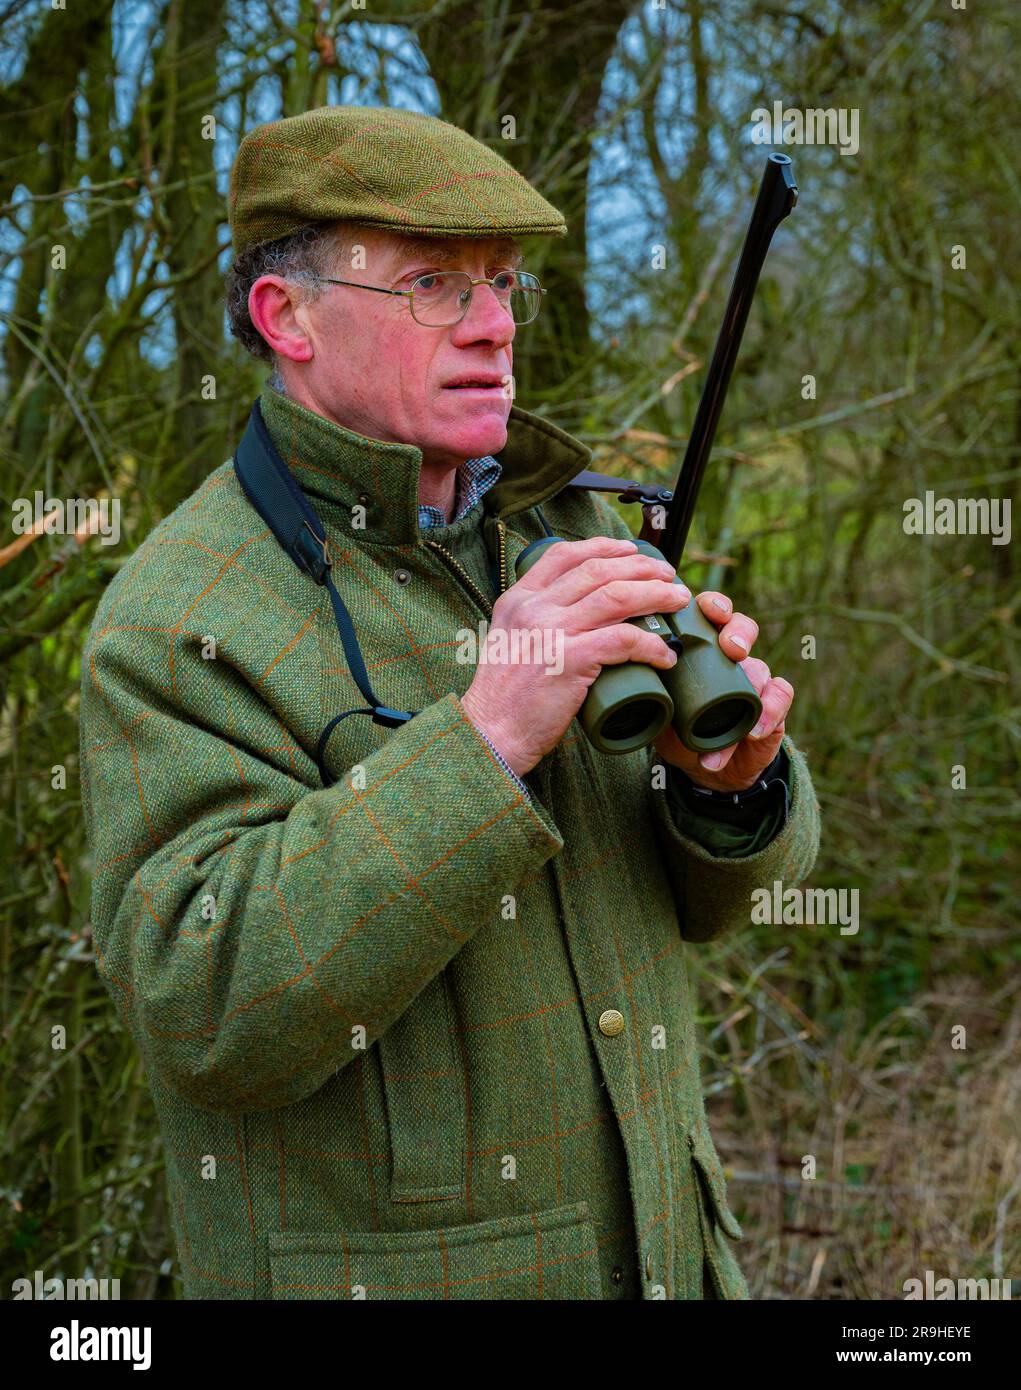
pixel 277 309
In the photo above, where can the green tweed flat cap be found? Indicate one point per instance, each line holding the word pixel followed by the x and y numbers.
pixel 381 167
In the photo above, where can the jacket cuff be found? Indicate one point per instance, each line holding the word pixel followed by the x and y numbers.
pixel 732 824
pixel 529 803
pixel 710 888
pixel 507 767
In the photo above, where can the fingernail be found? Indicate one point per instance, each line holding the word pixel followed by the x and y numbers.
pixel 738 641
pixel 718 603
pixel 758 731
pixel 711 761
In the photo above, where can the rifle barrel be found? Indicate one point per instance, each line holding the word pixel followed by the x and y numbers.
pixel 778 194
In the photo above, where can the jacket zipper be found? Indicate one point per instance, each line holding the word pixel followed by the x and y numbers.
pixel 455 563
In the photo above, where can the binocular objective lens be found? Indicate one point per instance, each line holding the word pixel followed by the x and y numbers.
pixel 631 719
pixel 721 718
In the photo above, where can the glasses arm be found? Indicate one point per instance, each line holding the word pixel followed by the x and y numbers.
pixel 326 280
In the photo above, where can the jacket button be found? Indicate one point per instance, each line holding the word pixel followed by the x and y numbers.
pixel 611 1022
pixel 617 1275
pixel 402 576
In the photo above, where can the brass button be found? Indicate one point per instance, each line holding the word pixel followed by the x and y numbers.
pixel 617 1275
pixel 402 576
pixel 648 1265
pixel 611 1022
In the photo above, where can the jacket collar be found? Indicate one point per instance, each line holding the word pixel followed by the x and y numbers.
pixel 336 465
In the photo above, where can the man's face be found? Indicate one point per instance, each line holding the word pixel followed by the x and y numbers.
pixel 380 373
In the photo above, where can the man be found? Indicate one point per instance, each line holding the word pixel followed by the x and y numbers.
pixel 412 995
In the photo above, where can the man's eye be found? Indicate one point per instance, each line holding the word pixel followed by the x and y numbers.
pixel 504 280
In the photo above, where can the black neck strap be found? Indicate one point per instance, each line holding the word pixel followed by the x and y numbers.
pixel 272 490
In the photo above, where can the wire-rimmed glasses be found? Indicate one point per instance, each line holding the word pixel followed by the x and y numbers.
pixel 441 298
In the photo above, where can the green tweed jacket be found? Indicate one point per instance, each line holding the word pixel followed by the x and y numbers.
pixel 374 1015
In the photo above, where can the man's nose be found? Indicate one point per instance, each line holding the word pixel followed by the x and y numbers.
pixel 486 318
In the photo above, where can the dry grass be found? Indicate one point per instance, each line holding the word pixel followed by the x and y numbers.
pixel 916 1142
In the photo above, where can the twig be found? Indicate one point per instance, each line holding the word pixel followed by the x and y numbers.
pixel 864 615
pixel 65 392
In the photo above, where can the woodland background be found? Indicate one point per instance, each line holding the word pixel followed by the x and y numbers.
pixel 635 120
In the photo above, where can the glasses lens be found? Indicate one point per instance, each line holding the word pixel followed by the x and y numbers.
pixel 440 298
pixel 525 296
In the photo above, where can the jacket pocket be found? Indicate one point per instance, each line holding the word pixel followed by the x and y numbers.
pixel 542 1255
pixel 426 1096
pixel 716 1218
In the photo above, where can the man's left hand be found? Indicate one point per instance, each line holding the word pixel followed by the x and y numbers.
pixel 735 768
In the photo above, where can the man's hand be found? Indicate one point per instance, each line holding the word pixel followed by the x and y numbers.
pixel 735 768
pixel 583 592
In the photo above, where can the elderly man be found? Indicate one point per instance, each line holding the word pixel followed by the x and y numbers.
pixel 410 985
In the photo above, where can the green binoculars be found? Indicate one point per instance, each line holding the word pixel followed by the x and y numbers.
pixel 706 696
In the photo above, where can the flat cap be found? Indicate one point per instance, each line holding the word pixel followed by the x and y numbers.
pixel 381 167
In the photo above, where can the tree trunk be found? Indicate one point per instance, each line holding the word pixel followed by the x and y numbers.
pixel 544 66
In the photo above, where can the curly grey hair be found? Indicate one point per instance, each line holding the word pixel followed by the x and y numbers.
pixel 303 257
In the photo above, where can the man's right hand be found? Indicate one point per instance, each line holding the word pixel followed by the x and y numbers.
pixel 582 592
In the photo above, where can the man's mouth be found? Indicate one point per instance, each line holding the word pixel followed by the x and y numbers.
pixel 475 383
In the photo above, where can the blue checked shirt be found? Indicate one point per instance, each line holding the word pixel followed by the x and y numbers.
pixel 474 477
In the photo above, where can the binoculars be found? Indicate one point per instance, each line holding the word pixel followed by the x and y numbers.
pixel 706 696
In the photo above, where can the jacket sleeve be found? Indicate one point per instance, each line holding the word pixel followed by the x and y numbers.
pixel 256 933
pixel 714 894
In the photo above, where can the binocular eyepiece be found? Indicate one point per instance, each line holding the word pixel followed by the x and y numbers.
pixel 706 696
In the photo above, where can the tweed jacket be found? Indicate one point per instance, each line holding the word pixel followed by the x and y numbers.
pixel 413 1035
